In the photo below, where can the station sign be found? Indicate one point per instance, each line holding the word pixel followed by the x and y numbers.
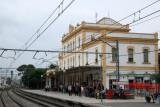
pixel 120 83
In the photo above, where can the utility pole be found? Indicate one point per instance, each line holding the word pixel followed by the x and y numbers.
pixel 79 72
pixel 101 76
pixel 117 63
pixel 11 78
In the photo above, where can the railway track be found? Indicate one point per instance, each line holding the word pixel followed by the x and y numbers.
pixel 36 99
pixel 19 98
pixel 8 101
pixel 12 98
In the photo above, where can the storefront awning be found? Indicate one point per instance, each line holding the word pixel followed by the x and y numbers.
pixel 88 68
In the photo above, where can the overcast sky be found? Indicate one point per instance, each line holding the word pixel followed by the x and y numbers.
pixel 20 19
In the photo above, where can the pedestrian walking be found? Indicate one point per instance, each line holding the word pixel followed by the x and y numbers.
pixel 79 91
pixel 69 90
pixel 82 91
pixel 76 90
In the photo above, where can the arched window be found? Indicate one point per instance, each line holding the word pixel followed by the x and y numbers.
pixel 145 55
pixel 113 54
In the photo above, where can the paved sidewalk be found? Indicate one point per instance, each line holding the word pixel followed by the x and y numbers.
pixel 84 99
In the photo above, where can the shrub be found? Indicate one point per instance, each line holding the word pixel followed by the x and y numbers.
pixel 148 98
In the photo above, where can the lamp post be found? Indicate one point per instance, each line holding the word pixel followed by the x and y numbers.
pixel 79 72
pixel 41 81
pixel 28 82
pixel 47 80
pixel 117 63
pixel 64 76
pixel 55 76
pixel 101 75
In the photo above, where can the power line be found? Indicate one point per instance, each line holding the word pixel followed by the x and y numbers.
pixel 59 14
pixel 139 11
pixel 126 55
pixel 146 20
pixel 48 51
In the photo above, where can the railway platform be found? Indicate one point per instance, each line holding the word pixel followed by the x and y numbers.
pixel 85 100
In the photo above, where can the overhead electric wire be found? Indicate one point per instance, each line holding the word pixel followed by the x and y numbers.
pixel 7 49
pixel 44 29
pixel 126 55
pixel 146 20
pixel 126 17
pixel 125 25
pixel 139 10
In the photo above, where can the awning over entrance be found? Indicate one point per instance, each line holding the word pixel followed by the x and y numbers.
pixel 87 68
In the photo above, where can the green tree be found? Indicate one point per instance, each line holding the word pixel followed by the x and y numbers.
pixel 8 81
pixel 159 61
pixel 33 77
pixel 155 77
pixel 25 68
pixel 52 66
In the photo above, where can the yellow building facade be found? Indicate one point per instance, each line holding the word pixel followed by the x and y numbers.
pixel 80 61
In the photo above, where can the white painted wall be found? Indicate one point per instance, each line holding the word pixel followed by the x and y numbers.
pixel 77 41
pixel 91 57
pixel 77 60
pixel 66 61
pixel 138 58
pixel 131 35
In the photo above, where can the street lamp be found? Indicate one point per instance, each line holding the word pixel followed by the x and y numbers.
pixel 64 76
pixel 28 82
pixel 47 79
pixel 79 71
pixel 55 77
pixel 41 81
pixel 101 75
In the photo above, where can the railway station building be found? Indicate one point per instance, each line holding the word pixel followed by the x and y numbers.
pixel 93 47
